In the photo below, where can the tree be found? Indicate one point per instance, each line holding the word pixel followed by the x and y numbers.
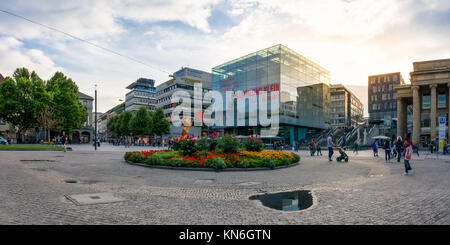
pixel 124 120
pixel 141 124
pixel 22 99
pixel 161 125
pixel 67 108
pixel 112 125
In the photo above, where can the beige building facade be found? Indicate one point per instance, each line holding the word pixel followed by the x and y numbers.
pixel 428 94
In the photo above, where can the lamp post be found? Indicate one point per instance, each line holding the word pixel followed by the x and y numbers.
pixel 95 130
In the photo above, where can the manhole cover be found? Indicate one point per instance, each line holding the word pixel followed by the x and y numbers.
pixel 95 198
pixel 286 201
pixel 71 181
pixel 204 181
pixel 249 183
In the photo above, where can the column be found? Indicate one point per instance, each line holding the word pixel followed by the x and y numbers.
pixel 416 115
pixel 433 103
pixel 401 118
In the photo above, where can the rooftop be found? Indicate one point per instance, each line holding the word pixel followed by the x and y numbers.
pixel 84 96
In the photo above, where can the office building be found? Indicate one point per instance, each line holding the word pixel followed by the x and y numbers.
pixel 303 86
pixel 184 80
pixel 346 108
pixel 142 93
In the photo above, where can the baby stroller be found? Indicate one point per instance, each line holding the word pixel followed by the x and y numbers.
pixel 343 155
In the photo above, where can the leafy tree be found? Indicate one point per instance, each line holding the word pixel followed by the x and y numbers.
pixel 67 108
pixel 124 120
pixel 22 99
pixel 161 125
pixel 141 124
pixel 112 125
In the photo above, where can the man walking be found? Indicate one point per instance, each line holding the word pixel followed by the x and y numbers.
pixel 330 146
pixel 387 150
pixel 355 150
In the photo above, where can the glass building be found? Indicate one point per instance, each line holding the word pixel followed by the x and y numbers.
pixel 303 86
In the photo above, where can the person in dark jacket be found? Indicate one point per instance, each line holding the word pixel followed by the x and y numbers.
pixel 399 148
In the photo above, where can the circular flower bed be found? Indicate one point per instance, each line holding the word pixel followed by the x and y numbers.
pixel 215 153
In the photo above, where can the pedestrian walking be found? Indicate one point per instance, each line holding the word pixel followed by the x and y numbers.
pixel 408 149
pixel 387 150
pixel 375 148
pixel 330 146
pixel 319 150
pixel 355 150
pixel 399 148
pixel 445 147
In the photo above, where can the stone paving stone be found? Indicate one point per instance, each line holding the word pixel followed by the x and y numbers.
pixel 344 193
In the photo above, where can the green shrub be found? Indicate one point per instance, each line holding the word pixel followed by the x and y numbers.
pixel 177 162
pixel 203 144
pixel 188 147
pixel 137 157
pixel 212 144
pixel 267 163
pixel 218 163
pixel 243 164
pixel 253 144
pixel 154 160
pixel 297 157
pixel 127 154
pixel 285 161
pixel 256 163
pixel 229 144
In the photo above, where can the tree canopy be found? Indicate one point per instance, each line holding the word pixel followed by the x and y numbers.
pixel 26 101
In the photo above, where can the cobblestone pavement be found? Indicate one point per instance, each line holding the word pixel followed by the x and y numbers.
pixel 366 190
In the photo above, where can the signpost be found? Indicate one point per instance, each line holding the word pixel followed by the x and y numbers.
pixel 442 122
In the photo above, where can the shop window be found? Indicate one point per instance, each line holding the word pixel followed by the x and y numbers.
pixel 426 102
pixel 442 101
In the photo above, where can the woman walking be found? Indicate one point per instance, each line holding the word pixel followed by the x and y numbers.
pixel 408 149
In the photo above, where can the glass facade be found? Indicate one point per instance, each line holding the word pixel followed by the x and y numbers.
pixel 303 85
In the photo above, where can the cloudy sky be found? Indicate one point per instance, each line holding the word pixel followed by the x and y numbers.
pixel 352 39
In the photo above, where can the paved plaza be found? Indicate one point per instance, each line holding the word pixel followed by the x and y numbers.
pixel 36 188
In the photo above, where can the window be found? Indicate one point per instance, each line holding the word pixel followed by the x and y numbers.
pixel 441 101
pixel 425 122
pixel 426 102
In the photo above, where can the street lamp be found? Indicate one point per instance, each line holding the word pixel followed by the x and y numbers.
pixel 95 133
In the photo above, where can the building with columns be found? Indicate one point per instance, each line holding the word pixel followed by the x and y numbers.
pixel 428 94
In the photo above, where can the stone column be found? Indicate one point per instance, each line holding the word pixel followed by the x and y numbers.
pixel 416 115
pixel 401 118
pixel 433 133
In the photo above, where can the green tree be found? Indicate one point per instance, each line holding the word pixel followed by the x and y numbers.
pixel 124 120
pixel 22 99
pixel 161 125
pixel 112 125
pixel 67 108
pixel 141 123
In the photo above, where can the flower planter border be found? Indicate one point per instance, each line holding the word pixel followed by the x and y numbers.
pixel 212 169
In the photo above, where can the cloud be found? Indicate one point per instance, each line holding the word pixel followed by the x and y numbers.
pixel 352 39
pixel 14 55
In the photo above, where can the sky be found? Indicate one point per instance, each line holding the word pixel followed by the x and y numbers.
pixel 351 38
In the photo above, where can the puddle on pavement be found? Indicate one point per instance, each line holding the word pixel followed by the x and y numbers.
pixel 286 201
